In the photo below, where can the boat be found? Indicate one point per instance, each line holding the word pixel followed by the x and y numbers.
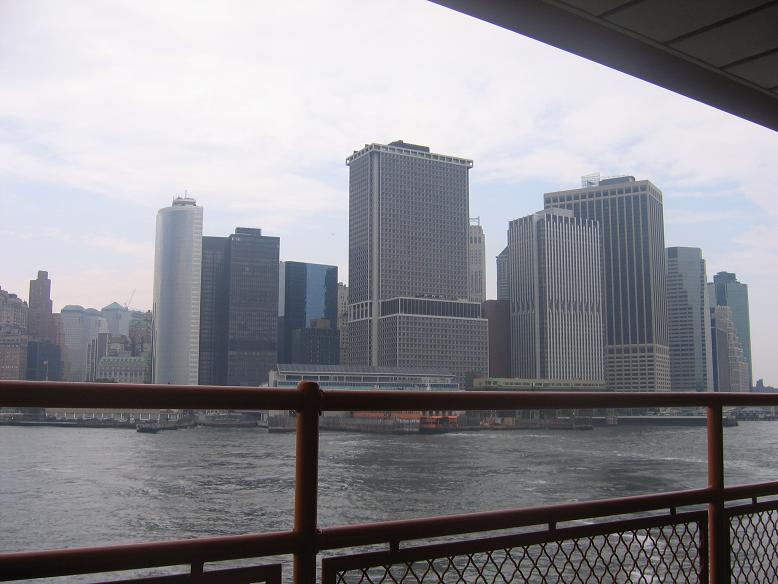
pixel 148 427
pixel 437 424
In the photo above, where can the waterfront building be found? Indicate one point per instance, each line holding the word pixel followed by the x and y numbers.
pixel 727 291
pixel 532 384
pixel 362 377
pixel 476 262
pixel 691 366
pixel 342 321
pixel 555 297
pixel 630 216
pixel 308 313
pixel 239 308
pixel 503 290
pixel 13 336
pixel 40 310
pixel 176 310
pixel 730 366
pixel 497 313
pixel 13 312
pixel 408 258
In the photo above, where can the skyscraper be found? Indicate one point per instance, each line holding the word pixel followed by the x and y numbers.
pixel 503 289
pixel 177 274
pixel 629 212
pixel 84 341
pixel 239 308
pixel 408 257
pixel 727 291
pixel 476 262
pixel 556 320
pixel 308 294
pixel 730 367
pixel 343 321
pixel 691 367
pixel 40 323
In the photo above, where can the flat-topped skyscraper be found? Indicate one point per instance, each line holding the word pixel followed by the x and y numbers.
pixel 177 269
pixel 629 212
pixel 408 261
pixel 727 291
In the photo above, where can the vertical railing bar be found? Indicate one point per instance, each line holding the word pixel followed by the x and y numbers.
pixel 306 484
pixel 718 530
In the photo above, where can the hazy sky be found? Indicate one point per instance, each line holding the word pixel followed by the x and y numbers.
pixel 109 109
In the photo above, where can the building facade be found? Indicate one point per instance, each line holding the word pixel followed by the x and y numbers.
pixel 688 312
pixel 239 308
pixel 555 297
pixel 497 313
pixel 730 366
pixel 40 323
pixel 727 291
pixel 408 261
pixel 84 341
pixel 503 285
pixel 308 313
pixel 630 216
pixel 476 262
pixel 342 322
pixel 177 274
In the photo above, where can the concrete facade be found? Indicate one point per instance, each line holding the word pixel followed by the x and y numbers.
pixel 476 262
pixel 555 297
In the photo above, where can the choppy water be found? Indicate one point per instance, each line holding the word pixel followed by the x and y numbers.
pixel 63 487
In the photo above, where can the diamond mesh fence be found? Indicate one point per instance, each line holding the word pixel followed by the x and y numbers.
pixel 666 553
pixel 753 539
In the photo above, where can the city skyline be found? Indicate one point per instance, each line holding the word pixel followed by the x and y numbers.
pixel 69 178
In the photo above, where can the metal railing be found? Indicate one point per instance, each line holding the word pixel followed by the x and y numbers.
pixel 658 540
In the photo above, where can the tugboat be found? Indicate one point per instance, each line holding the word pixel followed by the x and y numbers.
pixel 437 424
pixel 148 427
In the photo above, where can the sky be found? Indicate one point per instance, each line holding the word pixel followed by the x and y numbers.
pixel 110 109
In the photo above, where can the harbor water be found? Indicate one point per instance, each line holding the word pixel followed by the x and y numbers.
pixel 68 487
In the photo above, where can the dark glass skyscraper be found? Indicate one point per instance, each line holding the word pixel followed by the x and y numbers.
pixel 240 285
pixel 727 291
pixel 309 302
pixel 637 354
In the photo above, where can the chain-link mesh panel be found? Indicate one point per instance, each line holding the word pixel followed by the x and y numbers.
pixel 754 547
pixel 667 554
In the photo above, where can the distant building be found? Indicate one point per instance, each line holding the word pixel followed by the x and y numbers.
pixel 727 291
pixel 691 361
pixel 520 384
pixel 730 366
pixel 503 281
pixel 556 313
pixel 408 262
pixel 13 336
pixel 239 308
pixel 497 313
pixel 177 274
pixel 84 342
pixel 117 318
pixel 308 309
pixel 476 262
pixel 44 360
pixel 40 325
pixel 630 216
pixel 342 321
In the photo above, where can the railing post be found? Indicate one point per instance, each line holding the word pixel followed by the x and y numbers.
pixel 306 484
pixel 718 526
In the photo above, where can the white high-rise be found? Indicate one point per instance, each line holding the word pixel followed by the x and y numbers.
pixel 476 262
pixel 555 294
pixel 177 273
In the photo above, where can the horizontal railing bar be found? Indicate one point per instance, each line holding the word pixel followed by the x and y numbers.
pixel 117 395
pixel 453 548
pixel 751 490
pixel 123 395
pixel 750 508
pixel 116 558
pixel 431 527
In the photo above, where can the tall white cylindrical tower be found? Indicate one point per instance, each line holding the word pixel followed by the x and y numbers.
pixel 177 269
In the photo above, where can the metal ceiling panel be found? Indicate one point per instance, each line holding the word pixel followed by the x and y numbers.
pixel 762 71
pixel 665 20
pixel 596 7
pixel 736 40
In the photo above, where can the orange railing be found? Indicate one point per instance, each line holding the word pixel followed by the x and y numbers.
pixel 703 537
